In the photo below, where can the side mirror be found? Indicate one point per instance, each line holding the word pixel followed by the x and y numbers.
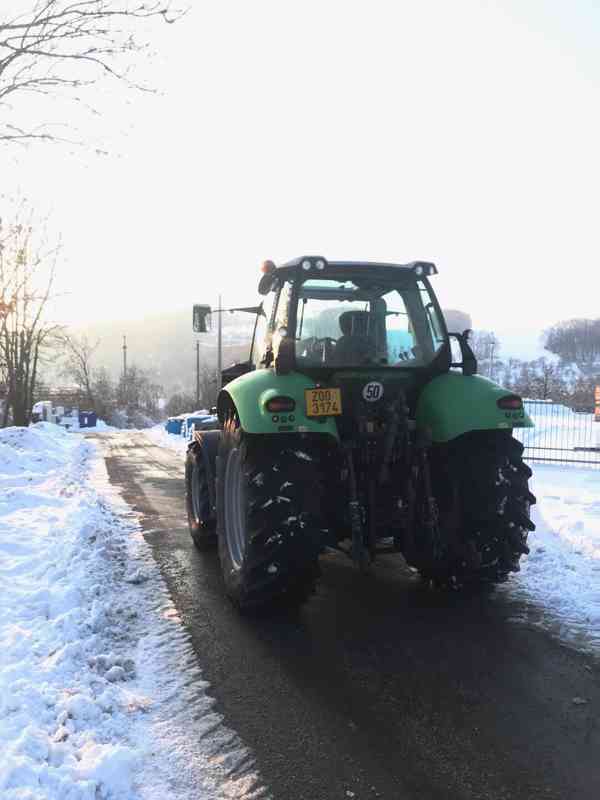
pixel 202 320
pixel 468 361
pixel 266 283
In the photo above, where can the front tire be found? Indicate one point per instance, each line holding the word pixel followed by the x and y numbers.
pixel 201 521
pixel 268 499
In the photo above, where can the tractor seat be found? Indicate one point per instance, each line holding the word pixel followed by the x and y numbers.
pixel 355 346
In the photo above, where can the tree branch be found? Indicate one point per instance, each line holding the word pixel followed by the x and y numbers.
pixel 60 46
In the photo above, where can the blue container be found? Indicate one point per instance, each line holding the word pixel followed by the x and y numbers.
pixel 88 419
pixel 174 425
pixel 203 422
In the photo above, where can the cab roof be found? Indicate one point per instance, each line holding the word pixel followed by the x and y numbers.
pixel 428 268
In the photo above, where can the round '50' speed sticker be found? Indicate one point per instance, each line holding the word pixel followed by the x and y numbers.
pixel 372 391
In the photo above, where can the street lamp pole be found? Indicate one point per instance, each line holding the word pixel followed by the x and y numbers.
pixel 197 373
pixel 220 345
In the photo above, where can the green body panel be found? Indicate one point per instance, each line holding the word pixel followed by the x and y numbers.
pixel 403 377
pixel 453 404
pixel 251 391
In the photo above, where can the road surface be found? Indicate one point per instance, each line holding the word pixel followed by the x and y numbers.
pixel 378 687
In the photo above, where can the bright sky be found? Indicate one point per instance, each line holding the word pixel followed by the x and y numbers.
pixel 463 132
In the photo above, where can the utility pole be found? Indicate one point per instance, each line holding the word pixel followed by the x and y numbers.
pixel 124 357
pixel 220 345
pixel 197 374
pixel 492 344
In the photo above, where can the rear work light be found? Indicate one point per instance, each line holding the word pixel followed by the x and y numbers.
pixel 510 403
pixel 278 405
pixel 421 268
pixel 308 263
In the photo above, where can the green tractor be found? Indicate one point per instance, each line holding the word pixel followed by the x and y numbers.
pixel 359 424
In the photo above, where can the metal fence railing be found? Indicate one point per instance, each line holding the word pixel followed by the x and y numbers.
pixel 561 435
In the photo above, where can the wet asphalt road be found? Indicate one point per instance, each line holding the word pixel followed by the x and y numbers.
pixel 378 687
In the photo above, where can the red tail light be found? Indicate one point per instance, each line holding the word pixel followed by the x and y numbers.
pixel 511 402
pixel 279 405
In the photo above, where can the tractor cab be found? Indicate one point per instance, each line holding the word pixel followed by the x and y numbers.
pixel 347 315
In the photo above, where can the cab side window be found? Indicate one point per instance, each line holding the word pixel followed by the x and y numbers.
pixel 280 314
pixel 279 330
pixel 263 345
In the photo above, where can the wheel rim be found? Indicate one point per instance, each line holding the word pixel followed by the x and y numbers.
pixel 235 509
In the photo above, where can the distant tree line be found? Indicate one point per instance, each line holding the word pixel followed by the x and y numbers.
pixel 576 341
pixel 568 375
pixel 137 398
pixel 134 399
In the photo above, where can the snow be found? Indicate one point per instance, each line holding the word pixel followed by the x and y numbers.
pixel 559 582
pixel 98 682
pixel 302 455
pixel 101 427
pixel 160 437
pixel 559 428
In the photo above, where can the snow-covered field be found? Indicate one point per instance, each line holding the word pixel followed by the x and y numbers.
pixel 98 683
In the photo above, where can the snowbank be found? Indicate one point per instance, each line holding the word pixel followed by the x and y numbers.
pixel 30 452
pixel 159 436
pixel 98 683
pixel 559 582
pixel 55 737
pixel 101 427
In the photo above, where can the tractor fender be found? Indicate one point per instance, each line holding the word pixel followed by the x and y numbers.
pixel 248 396
pixel 453 404
pixel 206 444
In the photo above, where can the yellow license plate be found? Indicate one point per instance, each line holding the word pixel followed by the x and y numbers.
pixel 323 402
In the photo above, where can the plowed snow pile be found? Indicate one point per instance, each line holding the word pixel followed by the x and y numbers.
pixel 98 688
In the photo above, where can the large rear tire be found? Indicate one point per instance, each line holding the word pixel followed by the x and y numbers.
pixel 268 509
pixel 201 522
pixel 481 486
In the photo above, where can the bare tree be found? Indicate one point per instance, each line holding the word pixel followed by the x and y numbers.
pixel 208 386
pixel 485 345
pixel 79 351
pixel 179 403
pixel 27 269
pixel 104 393
pixel 546 379
pixel 64 47
pixel 137 391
